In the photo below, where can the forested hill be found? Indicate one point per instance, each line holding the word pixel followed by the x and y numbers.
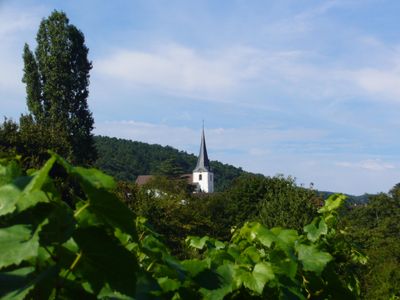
pixel 125 160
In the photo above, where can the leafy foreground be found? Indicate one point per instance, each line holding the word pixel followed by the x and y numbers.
pixel 87 244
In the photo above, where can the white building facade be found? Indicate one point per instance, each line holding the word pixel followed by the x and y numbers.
pixel 203 176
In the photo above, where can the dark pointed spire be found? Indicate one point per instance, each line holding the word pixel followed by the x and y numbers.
pixel 203 164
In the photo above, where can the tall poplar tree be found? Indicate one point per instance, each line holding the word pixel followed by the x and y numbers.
pixel 57 80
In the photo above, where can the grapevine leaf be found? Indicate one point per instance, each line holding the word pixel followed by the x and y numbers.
pixel 30 199
pixel 194 266
pixel 12 199
pixel 283 264
pixel 252 253
pixel 313 259
pixel 168 284
pixel 103 204
pixel 197 242
pixel 108 293
pixel 9 195
pixel 17 244
pixel 104 260
pixel 314 231
pixel 262 273
pixel 226 283
pixel 40 177
pixel 252 282
pixel 208 279
pixel 15 284
pixel 104 207
pixel 219 245
pixel 332 203
pixel 95 177
pixel 285 237
pixel 262 234
pixel 60 226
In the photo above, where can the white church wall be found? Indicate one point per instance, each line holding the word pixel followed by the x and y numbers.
pixel 206 182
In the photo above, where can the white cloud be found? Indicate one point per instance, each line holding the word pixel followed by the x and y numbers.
pixel 369 164
pixel 380 83
pixel 177 68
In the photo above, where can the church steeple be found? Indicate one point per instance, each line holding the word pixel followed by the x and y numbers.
pixel 203 176
pixel 203 164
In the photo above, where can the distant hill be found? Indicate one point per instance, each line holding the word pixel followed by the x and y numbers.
pixel 126 159
pixel 361 199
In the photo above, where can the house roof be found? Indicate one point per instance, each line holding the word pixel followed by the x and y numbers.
pixel 203 164
pixel 143 179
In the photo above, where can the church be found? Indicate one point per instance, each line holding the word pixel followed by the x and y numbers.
pixel 202 176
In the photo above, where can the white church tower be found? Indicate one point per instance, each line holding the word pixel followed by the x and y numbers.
pixel 202 174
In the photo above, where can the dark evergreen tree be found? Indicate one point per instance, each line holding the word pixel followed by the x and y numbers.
pixel 57 80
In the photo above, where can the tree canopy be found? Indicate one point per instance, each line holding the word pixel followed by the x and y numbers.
pixel 56 76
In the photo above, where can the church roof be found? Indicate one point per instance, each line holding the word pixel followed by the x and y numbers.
pixel 203 164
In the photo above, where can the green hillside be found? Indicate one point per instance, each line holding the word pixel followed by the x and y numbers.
pixel 125 160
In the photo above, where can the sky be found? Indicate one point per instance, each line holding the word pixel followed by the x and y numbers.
pixel 308 89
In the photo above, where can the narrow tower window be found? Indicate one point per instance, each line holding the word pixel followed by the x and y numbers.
pixel 200 177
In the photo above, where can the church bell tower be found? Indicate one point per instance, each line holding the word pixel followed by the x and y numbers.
pixel 202 174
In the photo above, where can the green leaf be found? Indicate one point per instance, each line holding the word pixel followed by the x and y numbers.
pixel 219 245
pixel 31 199
pixel 168 284
pixel 283 262
pixel 108 293
pixel 16 284
pixel 105 208
pixel 262 273
pixel 195 266
pixel 253 253
pixel 253 283
pixel 332 203
pixel 40 177
pixel 11 198
pixel 18 243
pixel 312 258
pixel 197 242
pixel 314 231
pixel 95 178
pixel 285 237
pixel 60 226
pixel 227 283
pixel 104 260
pixel 9 195
pixel 262 234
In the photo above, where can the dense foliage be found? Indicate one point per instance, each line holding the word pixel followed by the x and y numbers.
pixel 125 160
pixel 175 212
pixel 94 248
pixel 375 228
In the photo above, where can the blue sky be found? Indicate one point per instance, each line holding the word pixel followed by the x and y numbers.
pixel 303 88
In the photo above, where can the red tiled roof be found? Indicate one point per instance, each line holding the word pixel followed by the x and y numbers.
pixel 143 179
